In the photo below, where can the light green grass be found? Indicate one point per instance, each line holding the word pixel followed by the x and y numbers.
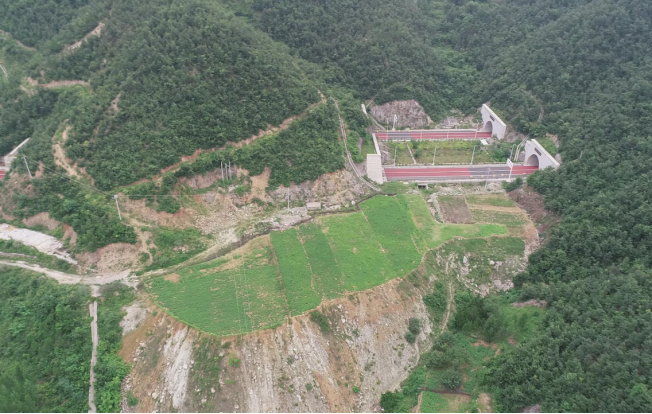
pixel 357 252
pixel 226 302
pixel 490 200
pixel 498 217
pixel 394 228
pixel 327 276
pixel 431 402
pixel 295 272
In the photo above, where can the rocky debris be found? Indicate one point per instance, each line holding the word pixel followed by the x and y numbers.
pixel 410 114
pixel 295 367
pixel 135 315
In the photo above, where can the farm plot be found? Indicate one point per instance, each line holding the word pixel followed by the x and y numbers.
pixel 490 200
pixel 454 209
pixel 394 228
pixel 295 272
pixel 357 251
pixel 327 277
pixel 222 299
pixel 288 273
pixel 509 219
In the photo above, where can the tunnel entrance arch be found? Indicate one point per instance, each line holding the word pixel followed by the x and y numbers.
pixel 532 161
pixel 492 123
pixel 536 155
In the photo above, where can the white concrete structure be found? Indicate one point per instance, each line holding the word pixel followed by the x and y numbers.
pixel 9 158
pixel 492 122
pixel 313 206
pixel 535 154
pixel 375 168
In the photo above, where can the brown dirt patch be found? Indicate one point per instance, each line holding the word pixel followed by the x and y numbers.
pixel 42 219
pixel 495 208
pixel 455 210
pixel 69 233
pixel 484 403
pixel 172 277
pixel 259 185
pixel 114 257
pixel 533 203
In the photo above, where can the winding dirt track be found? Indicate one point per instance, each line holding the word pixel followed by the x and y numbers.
pixel 70 279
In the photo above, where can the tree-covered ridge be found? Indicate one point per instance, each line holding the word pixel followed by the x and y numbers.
pixel 308 148
pixel 45 344
pixel 188 75
pixel 384 50
pixel 585 75
pixel 35 21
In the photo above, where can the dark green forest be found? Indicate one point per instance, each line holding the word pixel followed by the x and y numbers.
pixel 45 345
pixel 199 74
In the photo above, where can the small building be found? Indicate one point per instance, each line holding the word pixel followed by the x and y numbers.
pixel 315 205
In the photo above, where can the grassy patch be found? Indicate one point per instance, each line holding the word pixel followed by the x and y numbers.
pixel 357 252
pixel 295 272
pixel 490 200
pixel 327 276
pixel 499 217
pixel 232 301
pixel 394 228
pixel 175 246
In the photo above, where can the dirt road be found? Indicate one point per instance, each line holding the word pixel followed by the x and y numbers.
pixel 71 279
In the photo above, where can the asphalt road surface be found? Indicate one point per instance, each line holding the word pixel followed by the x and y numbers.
pixel 450 134
pixel 451 173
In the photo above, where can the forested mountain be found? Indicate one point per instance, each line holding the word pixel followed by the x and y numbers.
pixel 198 74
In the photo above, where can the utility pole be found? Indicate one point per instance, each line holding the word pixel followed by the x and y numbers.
pixel 115 197
pixel 511 152
pixel 434 155
pixel 473 155
pixel 28 171
pixel 230 170
pixel 395 149
pixel 394 125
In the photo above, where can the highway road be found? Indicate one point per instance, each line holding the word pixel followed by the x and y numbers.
pixel 439 134
pixel 480 172
pixel 2 174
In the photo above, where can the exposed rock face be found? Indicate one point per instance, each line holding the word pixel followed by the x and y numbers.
pixel 293 368
pixel 410 114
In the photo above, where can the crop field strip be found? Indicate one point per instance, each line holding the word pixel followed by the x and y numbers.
pixel 291 272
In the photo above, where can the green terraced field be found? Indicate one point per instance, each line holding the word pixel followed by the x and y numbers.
pixel 295 272
pixel 291 272
pixel 357 251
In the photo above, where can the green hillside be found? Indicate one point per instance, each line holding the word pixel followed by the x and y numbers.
pixel 198 74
